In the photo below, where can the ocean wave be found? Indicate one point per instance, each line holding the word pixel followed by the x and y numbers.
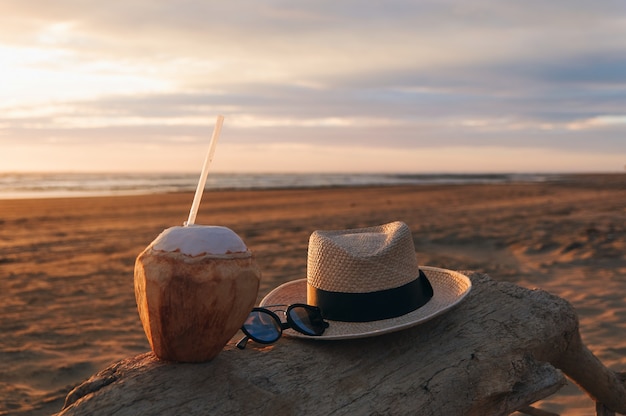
pixel 45 185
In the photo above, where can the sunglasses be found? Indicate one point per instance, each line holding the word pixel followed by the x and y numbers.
pixel 265 327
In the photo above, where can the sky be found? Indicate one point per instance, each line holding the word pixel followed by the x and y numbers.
pixel 332 86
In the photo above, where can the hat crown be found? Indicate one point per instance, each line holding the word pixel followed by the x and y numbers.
pixel 362 260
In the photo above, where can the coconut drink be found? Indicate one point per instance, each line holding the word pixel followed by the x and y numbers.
pixel 195 285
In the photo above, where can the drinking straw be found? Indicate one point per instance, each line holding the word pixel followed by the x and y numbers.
pixel 205 172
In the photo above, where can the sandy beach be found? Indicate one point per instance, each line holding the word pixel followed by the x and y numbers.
pixel 67 306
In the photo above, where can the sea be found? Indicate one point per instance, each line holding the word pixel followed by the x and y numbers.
pixel 56 185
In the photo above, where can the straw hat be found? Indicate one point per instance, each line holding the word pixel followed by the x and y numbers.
pixel 367 282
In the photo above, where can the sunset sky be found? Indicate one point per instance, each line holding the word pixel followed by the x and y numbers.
pixel 336 86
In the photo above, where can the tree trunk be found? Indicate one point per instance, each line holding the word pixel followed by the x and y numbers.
pixel 499 351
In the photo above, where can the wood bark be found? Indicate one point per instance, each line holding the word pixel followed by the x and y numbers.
pixel 502 349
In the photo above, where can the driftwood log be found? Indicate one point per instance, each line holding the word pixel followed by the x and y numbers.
pixel 502 349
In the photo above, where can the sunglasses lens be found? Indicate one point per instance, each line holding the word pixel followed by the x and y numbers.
pixel 307 320
pixel 262 327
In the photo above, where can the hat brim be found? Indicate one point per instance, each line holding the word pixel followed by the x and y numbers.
pixel 449 288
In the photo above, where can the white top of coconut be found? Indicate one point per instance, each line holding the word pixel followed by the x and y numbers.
pixel 195 240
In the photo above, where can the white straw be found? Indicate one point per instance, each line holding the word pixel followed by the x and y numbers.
pixel 205 172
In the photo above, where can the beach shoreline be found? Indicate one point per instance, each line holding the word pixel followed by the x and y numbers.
pixel 44 185
pixel 66 264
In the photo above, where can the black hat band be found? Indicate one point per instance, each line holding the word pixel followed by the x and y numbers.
pixel 372 306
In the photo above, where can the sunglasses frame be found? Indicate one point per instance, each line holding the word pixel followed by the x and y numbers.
pixel 281 325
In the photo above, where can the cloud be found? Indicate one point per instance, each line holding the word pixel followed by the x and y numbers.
pixel 401 75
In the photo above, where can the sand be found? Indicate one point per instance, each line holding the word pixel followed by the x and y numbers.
pixel 67 306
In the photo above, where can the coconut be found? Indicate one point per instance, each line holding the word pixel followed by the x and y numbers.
pixel 194 287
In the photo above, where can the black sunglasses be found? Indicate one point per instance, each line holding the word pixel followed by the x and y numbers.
pixel 265 327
